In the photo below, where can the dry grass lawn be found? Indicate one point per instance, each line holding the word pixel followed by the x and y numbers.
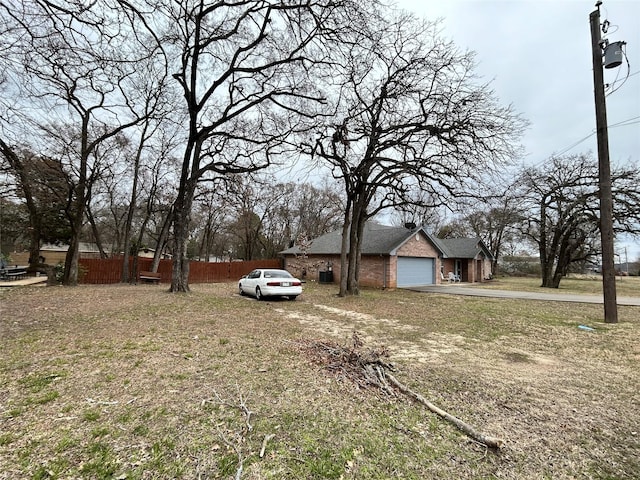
pixel 131 382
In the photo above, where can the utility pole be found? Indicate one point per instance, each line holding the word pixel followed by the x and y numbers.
pixel 606 198
pixel 626 261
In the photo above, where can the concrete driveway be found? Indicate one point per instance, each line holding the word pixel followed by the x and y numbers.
pixel 553 297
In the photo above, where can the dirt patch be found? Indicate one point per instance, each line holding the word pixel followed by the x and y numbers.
pixel 341 324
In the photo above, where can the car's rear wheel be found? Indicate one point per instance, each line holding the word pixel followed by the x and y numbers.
pixel 259 294
pixel 292 297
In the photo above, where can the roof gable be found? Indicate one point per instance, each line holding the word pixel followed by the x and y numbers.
pixel 463 247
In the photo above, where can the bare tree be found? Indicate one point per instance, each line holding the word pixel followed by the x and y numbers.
pixel 252 203
pixel 156 113
pixel 75 64
pixel 422 210
pixel 411 118
pixel 108 170
pixel 559 202
pixel 289 210
pixel 257 216
pixel 211 212
pixel 316 210
pixel 495 219
pixel 244 69
pixel 107 209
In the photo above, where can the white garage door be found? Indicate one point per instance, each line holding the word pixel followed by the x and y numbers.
pixel 414 271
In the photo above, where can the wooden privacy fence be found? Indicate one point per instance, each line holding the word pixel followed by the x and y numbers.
pixel 109 270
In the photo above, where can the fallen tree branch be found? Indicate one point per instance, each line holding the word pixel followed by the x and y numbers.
pixel 264 443
pixel 491 442
pixel 236 444
pixel 368 369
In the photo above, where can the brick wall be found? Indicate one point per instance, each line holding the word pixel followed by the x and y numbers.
pixel 309 268
pixel 373 269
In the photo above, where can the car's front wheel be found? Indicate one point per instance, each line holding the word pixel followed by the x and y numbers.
pixel 240 291
pixel 259 294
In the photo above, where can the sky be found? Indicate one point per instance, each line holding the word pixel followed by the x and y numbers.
pixel 538 56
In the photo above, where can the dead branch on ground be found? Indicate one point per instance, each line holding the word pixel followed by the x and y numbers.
pixel 238 438
pixel 370 369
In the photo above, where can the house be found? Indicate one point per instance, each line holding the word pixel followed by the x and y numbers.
pixel 394 257
pixel 52 254
pixel 150 253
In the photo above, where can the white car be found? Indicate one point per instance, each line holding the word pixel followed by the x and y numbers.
pixel 268 282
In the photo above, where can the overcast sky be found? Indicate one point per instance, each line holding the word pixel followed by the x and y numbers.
pixel 538 54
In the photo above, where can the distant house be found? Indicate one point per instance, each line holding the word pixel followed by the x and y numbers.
pixel 54 254
pixel 394 257
pixel 150 253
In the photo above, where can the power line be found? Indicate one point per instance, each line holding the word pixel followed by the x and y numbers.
pixel 622 123
pixel 573 145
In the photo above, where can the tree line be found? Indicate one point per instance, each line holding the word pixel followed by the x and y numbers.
pixel 144 124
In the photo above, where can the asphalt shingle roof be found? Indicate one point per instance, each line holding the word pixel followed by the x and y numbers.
pixel 460 247
pixel 377 239
pixel 383 240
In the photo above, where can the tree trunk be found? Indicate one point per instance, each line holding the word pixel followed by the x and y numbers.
pixel 70 276
pixel 344 249
pixel 34 244
pixel 546 269
pixel 162 240
pixel 496 248
pixel 181 221
pixel 132 205
pixel 353 287
pixel 96 233
pixel 180 272
pixel 125 275
pixel 358 219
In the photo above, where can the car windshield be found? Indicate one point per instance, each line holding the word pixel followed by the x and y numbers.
pixel 277 274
